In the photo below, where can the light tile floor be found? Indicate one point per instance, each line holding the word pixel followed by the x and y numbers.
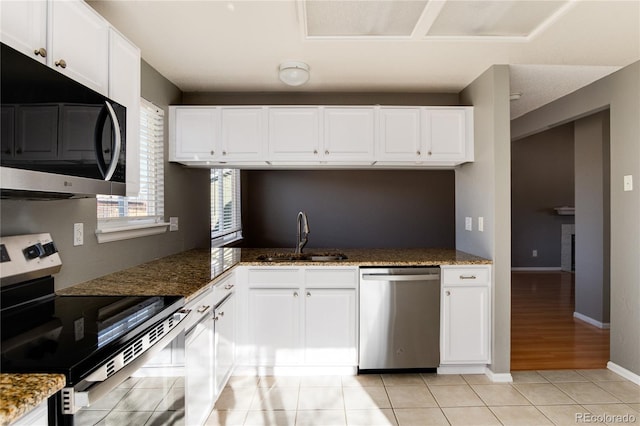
pixel 566 397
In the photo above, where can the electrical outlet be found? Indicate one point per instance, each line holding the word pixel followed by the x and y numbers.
pixel 173 224
pixel 628 183
pixel 78 234
pixel 468 224
pixel 534 253
pixel 481 224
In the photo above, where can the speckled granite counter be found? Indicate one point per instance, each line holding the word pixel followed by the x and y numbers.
pixel 21 393
pixel 373 257
pixel 183 274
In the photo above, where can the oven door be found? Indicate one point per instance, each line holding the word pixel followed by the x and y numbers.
pixel 135 386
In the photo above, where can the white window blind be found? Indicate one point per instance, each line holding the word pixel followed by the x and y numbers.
pixel 148 207
pixel 226 222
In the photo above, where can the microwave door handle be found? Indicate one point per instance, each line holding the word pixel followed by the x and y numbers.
pixel 118 145
pixel 102 118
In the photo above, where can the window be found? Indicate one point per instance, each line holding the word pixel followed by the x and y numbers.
pixel 226 223
pixel 128 217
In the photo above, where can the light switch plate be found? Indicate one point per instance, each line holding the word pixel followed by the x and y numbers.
pixel 78 234
pixel 468 224
pixel 481 224
pixel 173 224
pixel 628 183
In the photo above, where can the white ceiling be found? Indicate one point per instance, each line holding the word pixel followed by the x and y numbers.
pixel 555 46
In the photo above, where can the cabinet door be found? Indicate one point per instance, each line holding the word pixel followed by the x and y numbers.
pixel 224 341
pixel 199 392
pixel 330 327
pixel 80 38
pixel 465 335
pixel 195 131
pixel 242 134
pixel 399 133
pixel 445 134
pixel 274 331
pixel 23 26
pixel 124 88
pixel 348 134
pixel 294 133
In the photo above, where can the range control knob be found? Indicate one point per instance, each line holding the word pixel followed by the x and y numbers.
pixel 34 251
pixel 49 248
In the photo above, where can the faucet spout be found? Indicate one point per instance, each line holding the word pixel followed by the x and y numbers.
pixel 302 232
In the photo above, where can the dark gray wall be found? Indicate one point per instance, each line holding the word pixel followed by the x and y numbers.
pixel 186 196
pixel 350 208
pixel 592 216
pixel 329 98
pixel 542 177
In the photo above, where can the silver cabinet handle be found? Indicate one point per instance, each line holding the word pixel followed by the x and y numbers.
pixel 61 63
pixel 212 152
pixel 326 152
pixel 222 313
pixel 429 153
pixel 467 277
pixel 203 309
pixel 224 152
pixel 417 152
pixel 447 293
pixel 308 294
pixel 229 286
pixel 295 294
pixel 216 318
pixel 315 151
pixel 42 52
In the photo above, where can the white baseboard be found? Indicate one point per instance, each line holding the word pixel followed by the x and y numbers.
pixel 462 369
pixel 630 375
pixel 536 268
pixel 499 377
pixel 295 371
pixel 589 320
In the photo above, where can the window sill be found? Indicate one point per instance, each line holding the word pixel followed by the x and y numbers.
pixel 107 235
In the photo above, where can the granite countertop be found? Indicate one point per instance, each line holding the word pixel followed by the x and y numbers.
pixel 21 393
pixel 371 257
pixel 183 274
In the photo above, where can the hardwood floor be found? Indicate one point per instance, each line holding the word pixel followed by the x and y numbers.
pixel 544 334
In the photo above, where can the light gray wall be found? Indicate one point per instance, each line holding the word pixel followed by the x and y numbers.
pixel 328 98
pixel 592 227
pixel 542 177
pixel 619 92
pixel 350 208
pixel 483 188
pixel 186 196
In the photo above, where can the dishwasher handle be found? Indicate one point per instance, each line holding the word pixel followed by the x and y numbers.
pixel 387 277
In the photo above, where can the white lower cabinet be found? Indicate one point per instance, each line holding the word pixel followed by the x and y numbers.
pixel 465 335
pixel 301 317
pixel 199 352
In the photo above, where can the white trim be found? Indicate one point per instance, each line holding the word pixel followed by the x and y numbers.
pixel 499 377
pixel 536 268
pixel 295 371
pixel 589 320
pixel 462 369
pixel 130 231
pixel 630 375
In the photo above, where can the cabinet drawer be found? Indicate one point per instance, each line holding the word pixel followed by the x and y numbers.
pixel 466 276
pixel 274 277
pixel 222 289
pixel 200 307
pixel 331 278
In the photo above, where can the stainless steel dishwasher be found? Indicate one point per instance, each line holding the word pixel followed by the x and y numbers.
pixel 399 318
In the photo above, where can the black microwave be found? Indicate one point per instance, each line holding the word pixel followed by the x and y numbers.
pixel 58 136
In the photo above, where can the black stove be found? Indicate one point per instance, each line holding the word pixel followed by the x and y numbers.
pixel 95 341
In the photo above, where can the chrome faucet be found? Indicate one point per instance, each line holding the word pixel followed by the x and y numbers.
pixel 302 231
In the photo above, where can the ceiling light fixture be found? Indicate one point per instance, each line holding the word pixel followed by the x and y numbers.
pixel 515 96
pixel 294 73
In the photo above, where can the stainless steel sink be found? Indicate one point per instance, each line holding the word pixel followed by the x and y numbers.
pixel 302 257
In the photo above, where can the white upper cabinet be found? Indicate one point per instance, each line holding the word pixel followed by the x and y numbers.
pixel 23 26
pixel 446 134
pixel 243 133
pixel 348 134
pixel 294 133
pixel 318 136
pixel 79 43
pixel 124 88
pixel 400 135
pixel 194 135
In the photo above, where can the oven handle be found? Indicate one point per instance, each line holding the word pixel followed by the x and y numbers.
pixel 93 393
